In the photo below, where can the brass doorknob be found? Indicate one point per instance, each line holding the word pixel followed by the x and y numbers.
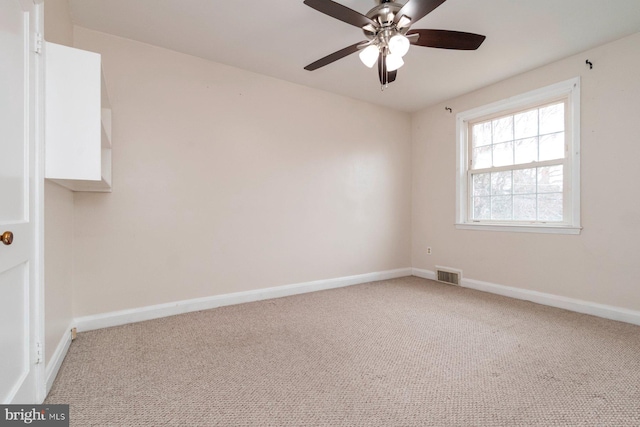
pixel 7 237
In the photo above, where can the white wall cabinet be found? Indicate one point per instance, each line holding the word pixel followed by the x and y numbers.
pixel 77 120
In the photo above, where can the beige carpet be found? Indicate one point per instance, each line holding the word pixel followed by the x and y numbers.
pixel 403 352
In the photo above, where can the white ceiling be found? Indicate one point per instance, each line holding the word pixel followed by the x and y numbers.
pixel 279 37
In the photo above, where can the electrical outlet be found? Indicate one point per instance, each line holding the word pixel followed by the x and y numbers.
pixel 429 250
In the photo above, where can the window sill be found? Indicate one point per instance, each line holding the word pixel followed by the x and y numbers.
pixel 521 228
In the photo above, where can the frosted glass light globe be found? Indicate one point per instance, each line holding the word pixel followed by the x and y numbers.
pixel 399 45
pixel 369 55
pixel 394 61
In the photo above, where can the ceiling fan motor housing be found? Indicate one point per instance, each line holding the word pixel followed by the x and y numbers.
pixel 384 15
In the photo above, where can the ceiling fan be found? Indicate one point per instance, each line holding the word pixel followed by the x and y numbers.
pixel 387 28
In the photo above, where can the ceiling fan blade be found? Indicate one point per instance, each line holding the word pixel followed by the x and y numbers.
pixel 334 56
pixel 445 39
pixel 385 76
pixel 340 12
pixel 417 9
pixel 382 70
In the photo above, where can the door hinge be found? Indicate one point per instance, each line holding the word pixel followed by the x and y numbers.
pixel 37 48
pixel 39 353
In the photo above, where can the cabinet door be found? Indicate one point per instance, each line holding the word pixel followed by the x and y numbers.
pixel 73 110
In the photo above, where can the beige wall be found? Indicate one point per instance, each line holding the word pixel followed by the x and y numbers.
pixel 58 209
pixel 600 265
pixel 58 223
pixel 226 181
pixel 58 27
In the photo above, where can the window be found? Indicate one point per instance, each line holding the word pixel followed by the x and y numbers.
pixel 519 163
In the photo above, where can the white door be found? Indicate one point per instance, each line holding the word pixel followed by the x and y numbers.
pixel 20 294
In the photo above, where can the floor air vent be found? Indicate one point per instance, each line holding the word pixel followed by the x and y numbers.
pixel 448 275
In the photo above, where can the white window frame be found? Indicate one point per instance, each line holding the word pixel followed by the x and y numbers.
pixel 569 90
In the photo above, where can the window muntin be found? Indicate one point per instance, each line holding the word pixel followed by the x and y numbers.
pixel 516 167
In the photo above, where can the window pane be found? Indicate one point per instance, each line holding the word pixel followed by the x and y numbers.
pixel 526 124
pixel 552 119
pixel 482 157
pixel 501 183
pixel 526 151
pixel 482 184
pixel 501 207
pixel 503 154
pixel 482 208
pixel 524 208
pixel 503 130
pixel 481 134
pixel 524 181
pixel 552 146
pixel 550 179
pixel 550 207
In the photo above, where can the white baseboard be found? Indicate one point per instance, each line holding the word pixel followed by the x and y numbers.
pixel 425 274
pixel 122 317
pixel 51 371
pixel 571 304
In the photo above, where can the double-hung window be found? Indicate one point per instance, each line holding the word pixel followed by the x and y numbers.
pixel 519 163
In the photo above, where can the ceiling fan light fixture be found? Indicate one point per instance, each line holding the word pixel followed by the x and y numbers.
pixel 369 28
pixel 394 61
pixel 399 45
pixel 404 22
pixel 369 55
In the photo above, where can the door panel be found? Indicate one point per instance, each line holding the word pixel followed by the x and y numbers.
pixel 13 79
pixel 15 364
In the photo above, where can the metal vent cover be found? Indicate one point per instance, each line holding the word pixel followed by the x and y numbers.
pixel 447 275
